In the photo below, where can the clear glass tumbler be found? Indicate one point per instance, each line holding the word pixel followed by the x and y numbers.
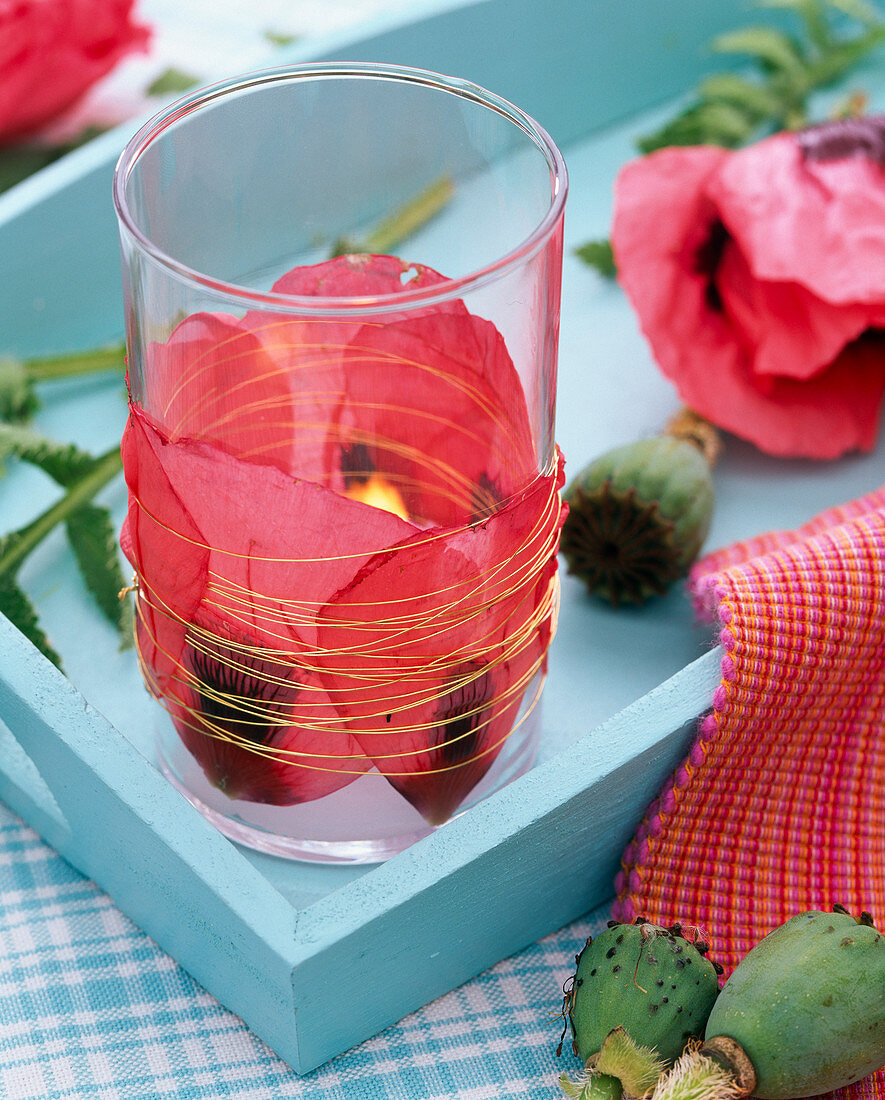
pixel 342 290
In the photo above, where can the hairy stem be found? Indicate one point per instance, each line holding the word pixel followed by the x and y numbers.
pixel 106 468
pixel 402 223
pixel 636 1067
pixel 591 1086
pixel 691 426
pixel 696 1077
pixel 83 362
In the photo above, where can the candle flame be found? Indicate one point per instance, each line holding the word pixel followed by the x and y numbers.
pixel 379 494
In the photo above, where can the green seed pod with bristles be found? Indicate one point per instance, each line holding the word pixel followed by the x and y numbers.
pixel 644 983
pixel 639 514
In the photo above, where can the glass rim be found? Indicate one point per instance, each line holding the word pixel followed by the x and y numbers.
pixel 437 292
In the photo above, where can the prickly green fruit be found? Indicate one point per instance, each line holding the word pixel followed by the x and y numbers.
pixel 650 981
pixel 807 1005
pixel 639 514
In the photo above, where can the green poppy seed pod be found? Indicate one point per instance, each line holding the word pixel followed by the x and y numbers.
pixel 651 982
pixel 807 1006
pixel 638 516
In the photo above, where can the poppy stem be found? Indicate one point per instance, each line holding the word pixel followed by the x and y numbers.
pixel 83 362
pixel 20 543
pixel 401 224
pixel 691 426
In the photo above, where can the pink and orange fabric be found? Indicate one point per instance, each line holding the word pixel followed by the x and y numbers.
pixel 779 806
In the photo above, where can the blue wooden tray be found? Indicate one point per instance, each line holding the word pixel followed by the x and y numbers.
pixel 318 958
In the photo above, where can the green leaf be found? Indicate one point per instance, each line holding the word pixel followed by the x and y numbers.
pixel 813 15
pixel 170 81
pixel 773 48
pixel 704 123
pixel 88 133
pixel 15 547
pixel 16 606
pixel 731 110
pixel 17 397
pixel 756 99
pixel 399 225
pixel 598 254
pixel 843 55
pixel 19 162
pixel 71 364
pixel 858 10
pixel 280 38
pixel 93 540
pixel 63 462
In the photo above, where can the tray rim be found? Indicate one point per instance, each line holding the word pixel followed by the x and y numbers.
pixel 291 935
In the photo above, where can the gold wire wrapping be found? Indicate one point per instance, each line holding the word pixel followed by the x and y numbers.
pixel 396 619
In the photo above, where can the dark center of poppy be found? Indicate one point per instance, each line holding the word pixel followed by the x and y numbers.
pixel 226 694
pixel 847 137
pixel 707 259
pixel 357 465
pixel 485 496
pixel 462 717
pixel 871 340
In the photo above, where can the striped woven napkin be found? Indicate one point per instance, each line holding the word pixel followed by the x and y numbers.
pixel 780 805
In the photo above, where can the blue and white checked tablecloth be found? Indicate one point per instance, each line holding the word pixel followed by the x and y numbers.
pixel 90 1007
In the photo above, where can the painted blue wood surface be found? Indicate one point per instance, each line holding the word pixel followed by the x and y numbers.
pixel 273 940
pixel 523 862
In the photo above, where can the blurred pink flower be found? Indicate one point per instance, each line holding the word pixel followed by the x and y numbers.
pixel 759 280
pixel 53 51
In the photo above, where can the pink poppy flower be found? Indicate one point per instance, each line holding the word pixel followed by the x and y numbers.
pixel 259 553
pixel 52 51
pixel 759 280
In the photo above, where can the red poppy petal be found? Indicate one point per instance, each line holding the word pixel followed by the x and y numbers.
pixel 360 276
pixel 474 713
pixel 421 398
pixel 437 403
pixel 662 220
pixel 434 735
pixel 52 52
pixel 278 547
pixel 297 767
pixel 837 410
pixel 429 651
pixel 160 537
pixel 310 348
pixel 435 388
pixel 260 730
pixel 307 342
pixel 213 381
pixel 254 518
pixel 785 329
pixel 818 222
